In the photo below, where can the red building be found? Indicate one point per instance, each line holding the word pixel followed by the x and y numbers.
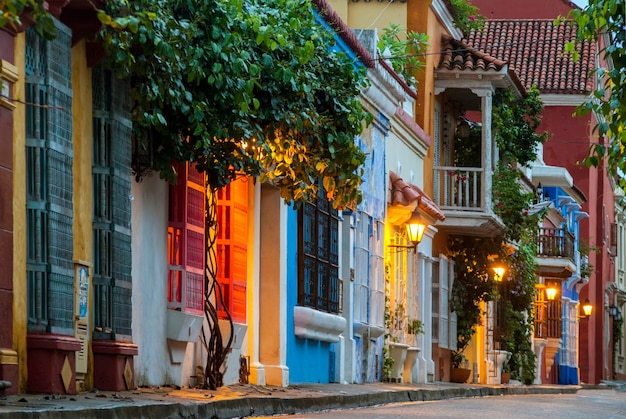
pixel 8 75
pixel 524 34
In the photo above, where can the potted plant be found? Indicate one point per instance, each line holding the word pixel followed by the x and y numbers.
pixel 414 327
pixel 506 373
pixel 459 372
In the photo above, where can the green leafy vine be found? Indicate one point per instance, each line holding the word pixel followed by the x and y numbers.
pixel 403 51
pixel 514 124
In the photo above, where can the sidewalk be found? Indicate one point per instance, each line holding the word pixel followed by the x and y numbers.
pixel 246 400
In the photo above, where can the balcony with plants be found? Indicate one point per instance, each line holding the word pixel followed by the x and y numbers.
pixel 515 121
pixel 480 106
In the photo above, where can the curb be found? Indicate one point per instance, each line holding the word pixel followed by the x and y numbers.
pixel 267 406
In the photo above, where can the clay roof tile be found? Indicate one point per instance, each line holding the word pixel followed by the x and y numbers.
pixel 404 193
pixel 534 48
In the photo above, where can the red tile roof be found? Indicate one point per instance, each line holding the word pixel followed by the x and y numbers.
pixel 459 55
pixel 403 193
pixel 534 48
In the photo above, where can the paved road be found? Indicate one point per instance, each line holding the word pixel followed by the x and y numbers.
pixel 586 404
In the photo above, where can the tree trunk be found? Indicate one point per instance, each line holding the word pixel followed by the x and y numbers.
pixel 217 351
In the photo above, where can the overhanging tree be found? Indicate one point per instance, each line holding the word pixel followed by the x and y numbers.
pixel 239 87
pixel 605 20
pixel 252 87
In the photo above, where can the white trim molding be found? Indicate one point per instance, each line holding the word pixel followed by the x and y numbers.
pixel 446 18
pixel 552 99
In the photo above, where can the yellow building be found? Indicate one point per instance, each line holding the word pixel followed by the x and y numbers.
pixel 71 212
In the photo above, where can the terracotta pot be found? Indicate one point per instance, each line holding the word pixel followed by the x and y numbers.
pixel 459 375
pixel 505 378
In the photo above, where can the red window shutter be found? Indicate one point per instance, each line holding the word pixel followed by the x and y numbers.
pixel 194 246
pixel 175 241
pixel 186 241
pixel 232 244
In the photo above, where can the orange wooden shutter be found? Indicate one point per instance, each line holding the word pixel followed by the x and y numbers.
pixel 232 247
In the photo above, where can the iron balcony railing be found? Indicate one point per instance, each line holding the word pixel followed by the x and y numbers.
pixel 555 242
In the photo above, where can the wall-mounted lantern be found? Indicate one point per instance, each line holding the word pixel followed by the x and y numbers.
pixel 498 272
pixel 587 309
pixel 551 293
pixel 615 312
pixel 415 228
pixel 463 128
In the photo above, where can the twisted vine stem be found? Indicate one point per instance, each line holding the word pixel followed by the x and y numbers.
pixel 217 352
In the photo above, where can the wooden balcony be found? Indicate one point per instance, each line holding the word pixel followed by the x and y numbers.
pixel 555 253
pixel 464 195
pixel 548 319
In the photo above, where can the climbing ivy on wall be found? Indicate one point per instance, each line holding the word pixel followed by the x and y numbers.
pixel 515 121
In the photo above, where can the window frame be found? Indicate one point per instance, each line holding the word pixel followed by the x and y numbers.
pixel 319 286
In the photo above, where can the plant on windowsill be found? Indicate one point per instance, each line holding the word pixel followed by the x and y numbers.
pixel 414 327
pixel 398 323
pixel 584 248
pixel 585 269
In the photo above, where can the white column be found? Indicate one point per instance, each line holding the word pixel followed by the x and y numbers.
pixel 346 346
pixel 486 95
pixel 428 319
pixel 257 371
pixel 426 365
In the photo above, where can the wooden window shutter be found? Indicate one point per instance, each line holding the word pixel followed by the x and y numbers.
pixel 121 263
pixel 186 241
pixel 232 247
pixel 193 255
pixel 435 301
pixel 175 239
pixel 443 303
pixel 452 320
pixel 112 282
pixel 49 183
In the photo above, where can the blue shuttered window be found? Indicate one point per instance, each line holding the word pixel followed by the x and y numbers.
pixel 49 159
pixel 111 205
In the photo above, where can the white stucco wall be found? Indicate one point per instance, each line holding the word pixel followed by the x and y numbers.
pixel 161 361
pixel 153 364
pixel 405 156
